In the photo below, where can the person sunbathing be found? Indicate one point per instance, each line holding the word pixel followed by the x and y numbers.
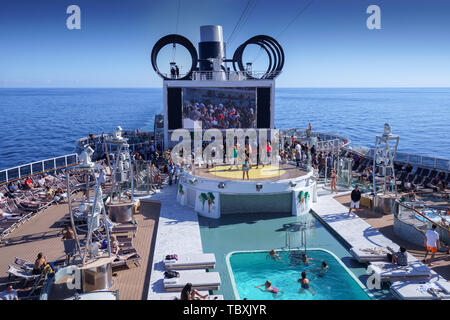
pixel 4 214
pixel 114 245
pixel 27 204
pixel 189 294
pixel 28 184
pixel 41 182
pixel 49 193
pixel 39 263
pixel 60 195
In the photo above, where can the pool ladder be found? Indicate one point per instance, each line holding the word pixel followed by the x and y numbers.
pixel 302 243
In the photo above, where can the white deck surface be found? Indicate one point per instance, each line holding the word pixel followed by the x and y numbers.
pixel 354 230
pixel 351 228
pixel 178 232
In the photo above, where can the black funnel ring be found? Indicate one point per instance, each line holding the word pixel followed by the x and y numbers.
pixel 172 39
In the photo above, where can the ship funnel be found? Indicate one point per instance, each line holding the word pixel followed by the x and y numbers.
pixel 211 46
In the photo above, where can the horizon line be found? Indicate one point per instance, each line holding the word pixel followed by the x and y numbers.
pixel 276 87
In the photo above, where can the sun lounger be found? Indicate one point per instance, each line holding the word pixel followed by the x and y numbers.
pixel 386 271
pixel 421 290
pixel 21 273
pixel 370 254
pixel 191 261
pixel 200 279
pixel 23 264
pixel 127 257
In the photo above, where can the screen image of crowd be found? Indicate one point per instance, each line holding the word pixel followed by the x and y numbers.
pixel 219 108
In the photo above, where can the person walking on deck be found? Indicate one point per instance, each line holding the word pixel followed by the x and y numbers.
pixel 356 197
pixel 431 243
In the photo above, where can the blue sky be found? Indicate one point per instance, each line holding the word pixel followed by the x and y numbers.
pixel 329 45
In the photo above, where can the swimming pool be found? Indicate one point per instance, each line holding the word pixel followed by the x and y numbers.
pixel 435 215
pixel 252 268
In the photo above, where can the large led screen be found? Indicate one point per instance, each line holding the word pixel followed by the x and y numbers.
pixel 219 108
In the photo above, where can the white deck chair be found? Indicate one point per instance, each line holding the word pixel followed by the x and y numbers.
pixel 191 261
pixel 200 279
pixel 370 254
pixel 420 290
pixel 386 271
pixel 22 273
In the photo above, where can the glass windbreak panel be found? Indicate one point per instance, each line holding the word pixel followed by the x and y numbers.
pixel 60 162
pixel 400 156
pixel 71 159
pixel 13 174
pixel 49 164
pixel 414 158
pixel 37 167
pixel 442 164
pixel 25 170
pixel 428 161
pixel 2 176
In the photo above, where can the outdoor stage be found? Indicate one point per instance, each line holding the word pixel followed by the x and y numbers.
pixel 215 191
pixel 260 173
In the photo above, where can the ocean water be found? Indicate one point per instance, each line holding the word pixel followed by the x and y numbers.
pixel 42 123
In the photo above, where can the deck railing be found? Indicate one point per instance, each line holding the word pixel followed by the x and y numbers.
pixel 413 159
pixel 227 75
pixel 38 167
pixel 407 210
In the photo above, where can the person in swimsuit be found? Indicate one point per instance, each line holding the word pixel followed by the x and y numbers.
pixel 189 294
pixel 305 284
pixel 274 255
pixel 268 287
pixel 69 243
pixel 324 269
pixel 39 263
pixel 245 169
pixel 306 260
pixel 333 180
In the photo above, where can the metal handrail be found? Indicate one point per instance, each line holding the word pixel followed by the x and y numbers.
pixel 414 159
pixel 422 215
pixel 42 162
pixel 227 75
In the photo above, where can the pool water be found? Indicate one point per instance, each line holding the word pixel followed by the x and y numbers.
pixel 251 269
pixel 433 214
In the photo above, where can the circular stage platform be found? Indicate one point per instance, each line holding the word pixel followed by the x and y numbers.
pixel 277 189
pixel 260 173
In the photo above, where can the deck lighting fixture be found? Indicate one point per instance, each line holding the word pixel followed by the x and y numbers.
pixel 292 184
pixel 221 185
pixel 259 186
pixel 193 180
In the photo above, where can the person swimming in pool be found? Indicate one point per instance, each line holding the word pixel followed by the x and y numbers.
pixel 268 287
pixel 274 255
pixel 305 284
pixel 324 269
pixel 306 260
